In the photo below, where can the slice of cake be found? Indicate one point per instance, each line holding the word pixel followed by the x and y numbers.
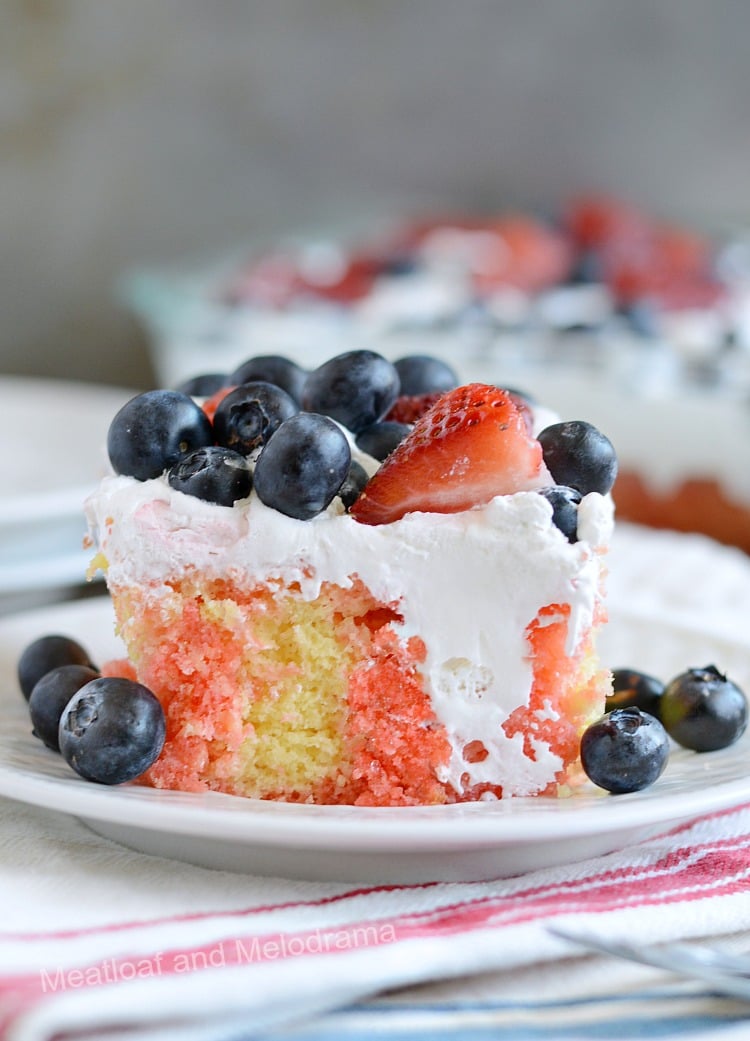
pixel 323 627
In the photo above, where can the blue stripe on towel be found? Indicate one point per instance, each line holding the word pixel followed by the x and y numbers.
pixel 660 1015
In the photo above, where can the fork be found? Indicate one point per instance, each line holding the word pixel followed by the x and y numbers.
pixel 727 973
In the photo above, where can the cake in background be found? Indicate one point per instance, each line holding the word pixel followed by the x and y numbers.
pixel 606 312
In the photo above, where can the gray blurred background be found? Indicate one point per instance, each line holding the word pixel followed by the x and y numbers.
pixel 148 131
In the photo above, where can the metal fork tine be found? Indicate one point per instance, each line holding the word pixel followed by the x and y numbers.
pixel 725 974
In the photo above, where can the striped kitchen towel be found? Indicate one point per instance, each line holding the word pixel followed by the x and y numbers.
pixel 98 941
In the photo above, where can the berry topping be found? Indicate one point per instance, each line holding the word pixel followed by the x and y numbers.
pixel 469 447
pixel 409 408
pixel 303 466
pixel 44 655
pixel 356 389
pixel 272 368
pixel 422 374
pixel 203 386
pixel 525 404
pixel 50 697
pixel 354 484
pixel 580 456
pixel 508 250
pixel 346 280
pixel 210 405
pixel 245 419
pixel 625 751
pixel 703 710
pixel 380 439
pixel 154 430
pixel 112 730
pixel 631 688
pixel 595 220
pixel 522 252
pixel 639 258
pixel 564 502
pixel 214 474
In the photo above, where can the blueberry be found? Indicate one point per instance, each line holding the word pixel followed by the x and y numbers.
pixel 587 269
pixel 154 430
pixel 248 415
pixel 381 438
pixel 46 654
pixel 112 730
pixel 356 389
pixel 422 374
pixel 580 456
pixel 214 474
pixel 303 466
pixel 204 385
pixel 354 484
pixel 625 751
pixel 272 368
pixel 399 265
pixel 51 695
pixel 631 688
pixel 703 710
pixel 643 318
pixel 564 502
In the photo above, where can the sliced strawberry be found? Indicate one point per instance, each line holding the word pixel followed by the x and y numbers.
pixel 353 282
pixel 271 281
pixel 528 255
pixel 411 407
pixel 596 220
pixel 469 447
pixel 690 295
pixel 211 404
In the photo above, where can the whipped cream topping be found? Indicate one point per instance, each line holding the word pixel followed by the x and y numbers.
pixel 468 583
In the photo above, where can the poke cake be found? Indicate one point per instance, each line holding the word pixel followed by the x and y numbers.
pixel 373 587
pixel 646 321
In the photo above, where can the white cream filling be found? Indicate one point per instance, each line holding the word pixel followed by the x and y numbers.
pixel 468 583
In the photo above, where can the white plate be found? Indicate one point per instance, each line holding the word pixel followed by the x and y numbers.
pixel 55 434
pixel 468 842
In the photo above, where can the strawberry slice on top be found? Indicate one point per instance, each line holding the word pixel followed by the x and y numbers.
pixel 470 446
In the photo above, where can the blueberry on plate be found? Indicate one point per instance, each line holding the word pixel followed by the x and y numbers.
pixel 272 368
pixel 303 466
pixel 381 438
pixel 625 751
pixel 564 502
pixel 249 414
pixel 112 730
pixel 631 688
pixel 580 456
pixel 356 389
pixel 46 654
pixel 154 430
pixel 214 474
pixel 703 710
pixel 50 697
pixel 423 374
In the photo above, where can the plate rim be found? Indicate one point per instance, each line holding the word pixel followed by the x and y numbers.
pixel 33 505
pixel 237 820
pixel 412 829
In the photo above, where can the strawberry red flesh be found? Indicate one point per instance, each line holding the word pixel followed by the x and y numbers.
pixel 471 445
